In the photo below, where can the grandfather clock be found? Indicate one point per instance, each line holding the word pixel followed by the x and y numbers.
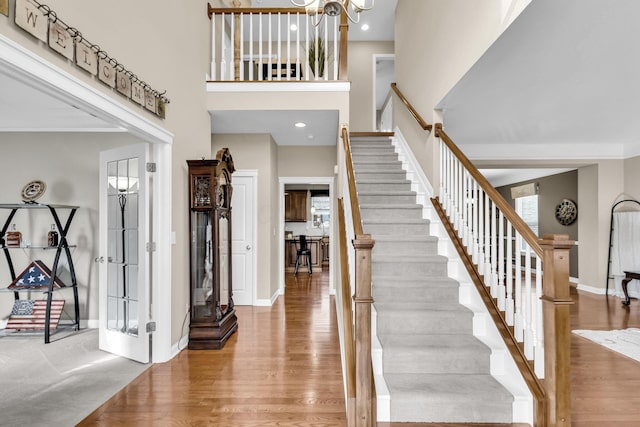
pixel 213 318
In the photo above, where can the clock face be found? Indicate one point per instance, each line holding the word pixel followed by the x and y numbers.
pixel 566 212
pixel 33 191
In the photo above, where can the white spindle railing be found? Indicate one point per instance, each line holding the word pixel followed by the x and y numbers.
pixel 511 267
pixel 262 44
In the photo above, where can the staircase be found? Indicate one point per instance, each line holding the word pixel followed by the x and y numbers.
pixel 434 368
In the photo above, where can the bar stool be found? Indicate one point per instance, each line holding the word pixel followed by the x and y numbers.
pixel 303 251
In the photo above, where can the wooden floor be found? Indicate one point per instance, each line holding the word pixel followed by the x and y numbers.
pixel 282 368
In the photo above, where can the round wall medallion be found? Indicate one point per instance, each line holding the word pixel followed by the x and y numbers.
pixel 33 190
pixel 566 212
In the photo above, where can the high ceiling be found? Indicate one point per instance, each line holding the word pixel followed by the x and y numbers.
pixel 560 83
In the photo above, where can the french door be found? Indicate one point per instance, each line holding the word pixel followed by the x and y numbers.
pixel 123 259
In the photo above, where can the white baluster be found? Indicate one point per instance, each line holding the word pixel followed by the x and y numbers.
pixel 326 50
pixel 539 330
pixel 223 50
pixel 528 333
pixel 476 192
pixel 288 46
pixel 487 240
pixel 469 201
pixel 519 320
pixel 494 251
pixel 501 244
pixel 509 301
pixel 251 58
pixel 481 246
pixel 269 60
pixel 298 62
pixel 279 42
pixel 465 218
pixel 232 50
pixel 336 54
pixel 260 63
pixel 307 66
pixel 241 59
pixel 213 46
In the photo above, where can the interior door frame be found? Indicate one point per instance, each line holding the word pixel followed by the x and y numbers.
pixel 253 174
pixel 42 75
pixel 328 180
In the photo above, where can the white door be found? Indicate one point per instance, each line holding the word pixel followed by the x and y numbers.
pixel 123 259
pixel 243 217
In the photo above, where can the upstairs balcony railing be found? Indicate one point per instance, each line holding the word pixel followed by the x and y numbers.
pixel 276 44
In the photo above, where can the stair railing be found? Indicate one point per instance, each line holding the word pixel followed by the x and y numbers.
pixel 529 304
pixel 276 44
pixel 356 295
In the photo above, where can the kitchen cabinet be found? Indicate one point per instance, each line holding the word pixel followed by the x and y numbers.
pixel 295 206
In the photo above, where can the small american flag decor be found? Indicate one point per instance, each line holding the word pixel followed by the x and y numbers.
pixel 30 314
pixel 36 276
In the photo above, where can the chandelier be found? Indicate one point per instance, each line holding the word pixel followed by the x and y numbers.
pixel 335 7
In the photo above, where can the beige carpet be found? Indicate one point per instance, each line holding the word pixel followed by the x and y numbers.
pixel 60 383
pixel 623 341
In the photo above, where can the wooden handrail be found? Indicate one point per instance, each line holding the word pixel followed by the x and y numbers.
pixel 216 10
pixel 355 208
pixel 414 113
pixel 504 207
pixel 528 374
pixel 347 318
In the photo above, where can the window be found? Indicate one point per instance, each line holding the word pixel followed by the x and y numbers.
pixel 320 210
pixel 527 208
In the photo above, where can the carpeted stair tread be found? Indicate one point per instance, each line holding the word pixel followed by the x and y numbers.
pixel 435 354
pixel 421 307
pixel 410 259
pixel 408 282
pixel 384 206
pixel 448 398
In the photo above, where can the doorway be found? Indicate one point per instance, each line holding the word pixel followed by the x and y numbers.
pixel 68 92
pixel 317 223
pixel 383 76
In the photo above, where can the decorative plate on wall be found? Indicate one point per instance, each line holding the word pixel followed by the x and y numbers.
pixel 566 212
pixel 33 190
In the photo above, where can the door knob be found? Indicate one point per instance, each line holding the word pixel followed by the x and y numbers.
pixel 100 260
pixel 248 247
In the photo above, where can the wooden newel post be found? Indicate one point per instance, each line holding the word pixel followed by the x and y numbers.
pixel 363 245
pixel 556 302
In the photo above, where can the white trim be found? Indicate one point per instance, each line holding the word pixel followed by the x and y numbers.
pixel 253 173
pixel 329 180
pixel 267 302
pixel 592 289
pixel 279 86
pixel 547 151
pixel 34 71
pixel 179 346
pixel 419 182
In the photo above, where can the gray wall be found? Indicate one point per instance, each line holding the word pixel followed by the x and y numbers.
pixel 552 189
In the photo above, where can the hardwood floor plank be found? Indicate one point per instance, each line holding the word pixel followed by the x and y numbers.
pixel 283 368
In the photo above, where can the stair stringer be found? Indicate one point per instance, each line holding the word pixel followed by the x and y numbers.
pixel 502 365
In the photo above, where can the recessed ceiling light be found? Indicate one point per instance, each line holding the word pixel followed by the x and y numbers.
pixel 364 27
pixel 301 125
pixel 293 27
pixel 310 136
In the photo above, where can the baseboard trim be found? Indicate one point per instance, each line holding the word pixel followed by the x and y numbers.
pixel 179 346
pixel 591 289
pixel 267 302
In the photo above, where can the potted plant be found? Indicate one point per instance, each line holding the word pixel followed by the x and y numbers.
pixel 317 50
